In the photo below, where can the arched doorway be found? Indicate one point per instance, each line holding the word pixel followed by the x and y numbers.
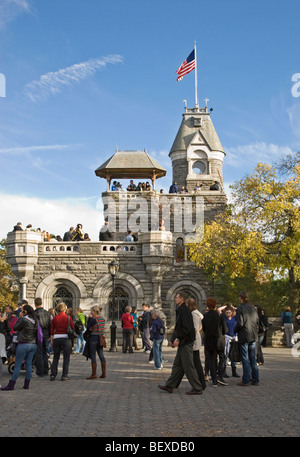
pixel 121 301
pixel 62 294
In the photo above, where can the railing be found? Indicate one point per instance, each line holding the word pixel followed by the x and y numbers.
pixel 84 247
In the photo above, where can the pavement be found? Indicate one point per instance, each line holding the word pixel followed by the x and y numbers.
pixel 128 405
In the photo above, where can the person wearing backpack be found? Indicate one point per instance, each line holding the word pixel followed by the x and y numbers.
pixel 80 329
pixel 157 332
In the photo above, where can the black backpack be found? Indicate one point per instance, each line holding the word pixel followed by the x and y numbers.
pixel 79 327
pixel 162 329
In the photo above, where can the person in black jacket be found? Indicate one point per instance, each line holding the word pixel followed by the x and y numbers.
pixel 42 356
pixel 183 339
pixel 214 328
pixel 247 330
pixel 26 327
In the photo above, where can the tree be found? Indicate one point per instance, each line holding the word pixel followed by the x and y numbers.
pixel 9 290
pixel 259 233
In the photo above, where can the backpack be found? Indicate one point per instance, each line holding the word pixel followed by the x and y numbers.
pixel 162 329
pixel 79 327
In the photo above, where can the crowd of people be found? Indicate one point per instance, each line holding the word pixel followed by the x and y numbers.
pixel 31 334
pixel 73 234
pixel 146 187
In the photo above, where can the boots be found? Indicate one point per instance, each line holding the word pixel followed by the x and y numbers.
pixel 103 366
pixel 234 373
pixel 10 386
pixel 94 371
pixel 26 384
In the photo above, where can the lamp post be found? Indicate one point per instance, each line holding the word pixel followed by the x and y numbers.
pixel 113 269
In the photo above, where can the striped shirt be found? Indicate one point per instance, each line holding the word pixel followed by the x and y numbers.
pixel 98 327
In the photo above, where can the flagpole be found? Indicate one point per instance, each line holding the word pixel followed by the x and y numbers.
pixel 196 82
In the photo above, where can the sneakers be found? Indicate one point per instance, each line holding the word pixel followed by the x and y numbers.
pixel 221 381
pixel 64 378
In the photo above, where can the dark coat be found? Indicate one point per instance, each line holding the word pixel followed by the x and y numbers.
pixel 26 330
pixel 184 328
pixel 214 328
pixel 247 323
pixel 44 318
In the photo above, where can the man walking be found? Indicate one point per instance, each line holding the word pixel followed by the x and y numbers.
pixel 183 338
pixel 247 329
pixel 145 327
pixel 41 355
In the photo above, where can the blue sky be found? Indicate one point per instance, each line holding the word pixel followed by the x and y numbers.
pixel 85 77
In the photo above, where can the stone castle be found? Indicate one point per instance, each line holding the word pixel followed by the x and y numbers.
pixel 153 268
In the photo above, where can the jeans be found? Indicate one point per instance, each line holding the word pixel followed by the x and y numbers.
pixel 289 331
pixel 64 345
pixel 24 352
pixel 259 354
pixel 250 370
pixel 95 348
pixel 157 353
pixel 146 339
pixel 80 343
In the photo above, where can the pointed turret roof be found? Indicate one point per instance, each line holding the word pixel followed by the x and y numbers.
pixel 196 120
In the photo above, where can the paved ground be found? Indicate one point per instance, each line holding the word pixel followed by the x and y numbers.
pixel 128 403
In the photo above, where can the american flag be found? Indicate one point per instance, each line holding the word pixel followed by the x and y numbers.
pixel 186 66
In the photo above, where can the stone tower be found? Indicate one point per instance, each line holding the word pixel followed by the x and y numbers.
pixel 197 153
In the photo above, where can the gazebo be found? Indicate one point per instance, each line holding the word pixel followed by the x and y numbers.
pixel 130 165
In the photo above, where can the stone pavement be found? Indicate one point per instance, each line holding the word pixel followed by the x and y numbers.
pixel 129 404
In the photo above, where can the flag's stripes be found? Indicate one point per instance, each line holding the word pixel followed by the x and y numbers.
pixel 187 66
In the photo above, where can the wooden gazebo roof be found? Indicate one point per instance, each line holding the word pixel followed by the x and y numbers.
pixel 130 165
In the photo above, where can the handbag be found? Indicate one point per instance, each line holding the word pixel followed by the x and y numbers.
pixel 70 331
pixel 234 352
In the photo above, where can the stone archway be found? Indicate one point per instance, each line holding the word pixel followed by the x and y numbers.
pixel 103 290
pixel 195 290
pixel 49 286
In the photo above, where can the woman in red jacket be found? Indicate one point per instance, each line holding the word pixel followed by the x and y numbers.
pixel 127 324
pixel 60 341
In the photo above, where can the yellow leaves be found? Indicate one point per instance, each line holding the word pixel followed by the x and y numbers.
pixel 260 231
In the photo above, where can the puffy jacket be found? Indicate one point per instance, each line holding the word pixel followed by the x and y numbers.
pixel 247 323
pixel 26 329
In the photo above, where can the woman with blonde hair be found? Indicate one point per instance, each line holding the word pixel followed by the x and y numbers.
pixel 60 341
pixel 95 328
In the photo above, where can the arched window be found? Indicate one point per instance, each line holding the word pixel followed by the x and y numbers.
pixel 121 301
pixel 62 294
pixel 179 250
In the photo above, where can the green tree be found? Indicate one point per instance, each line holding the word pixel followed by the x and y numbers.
pixel 258 234
pixel 9 290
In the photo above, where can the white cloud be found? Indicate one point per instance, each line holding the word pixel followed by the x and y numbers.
pixel 54 216
pixel 27 149
pixel 254 153
pixel 10 9
pixel 52 83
